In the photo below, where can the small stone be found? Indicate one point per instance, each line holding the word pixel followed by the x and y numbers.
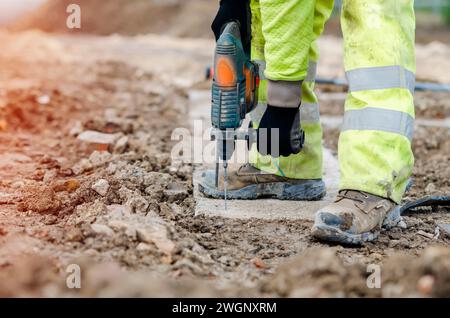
pixel 394 243
pixel 138 203
pixel 96 137
pixel 6 198
pixel 377 256
pixel 437 232
pixel 76 129
pixel 258 263
pixel 225 260
pixel 91 252
pixel 176 192
pixel 167 259
pixel 49 176
pixel 143 247
pixel 111 169
pixel 101 187
pixel 111 115
pixel 127 228
pixel 395 235
pixel 425 285
pixel 3 232
pixel 430 188
pixel 117 211
pixel 43 99
pixel 444 229
pixel 68 185
pixel 425 234
pixel 173 169
pixel 18 184
pixel 82 166
pixel 67 172
pixel 131 233
pixel 74 235
pixel 185 264
pixel 121 145
pixel 156 234
pixel 3 125
pixel 166 211
pixel 72 185
pixel 102 229
pixel 99 158
pixel 118 225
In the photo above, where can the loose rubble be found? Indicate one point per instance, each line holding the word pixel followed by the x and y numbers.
pixel 87 178
pixel 101 187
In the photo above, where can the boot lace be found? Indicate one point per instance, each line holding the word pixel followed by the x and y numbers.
pixel 353 195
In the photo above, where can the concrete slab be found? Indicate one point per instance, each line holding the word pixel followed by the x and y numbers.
pixel 264 208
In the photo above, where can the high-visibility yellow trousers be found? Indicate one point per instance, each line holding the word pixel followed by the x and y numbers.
pixel 375 153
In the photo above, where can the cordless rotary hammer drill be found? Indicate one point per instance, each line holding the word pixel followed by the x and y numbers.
pixel 234 94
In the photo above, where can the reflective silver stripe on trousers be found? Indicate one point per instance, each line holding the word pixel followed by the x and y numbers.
pixel 310 77
pixel 371 118
pixel 312 71
pixel 309 113
pixel 384 77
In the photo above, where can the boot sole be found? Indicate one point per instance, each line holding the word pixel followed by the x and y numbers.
pixel 323 232
pixel 311 190
pixel 327 233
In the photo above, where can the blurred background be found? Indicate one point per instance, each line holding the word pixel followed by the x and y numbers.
pixel 11 9
pixel 86 173
pixel 185 18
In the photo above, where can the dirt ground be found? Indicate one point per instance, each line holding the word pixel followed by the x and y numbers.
pixel 86 175
pixel 116 205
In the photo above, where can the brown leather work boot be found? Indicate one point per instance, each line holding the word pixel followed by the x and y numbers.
pixel 355 217
pixel 246 183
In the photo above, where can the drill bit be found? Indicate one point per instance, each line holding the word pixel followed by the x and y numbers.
pixel 217 164
pixel 225 182
pixel 217 174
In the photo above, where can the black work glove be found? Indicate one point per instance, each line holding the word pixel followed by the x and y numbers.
pixel 291 136
pixel 234 10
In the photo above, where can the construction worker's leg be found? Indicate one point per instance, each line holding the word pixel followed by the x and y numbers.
pixel 308 163
pixel 287 27
pixel 375 144
pixel 248 182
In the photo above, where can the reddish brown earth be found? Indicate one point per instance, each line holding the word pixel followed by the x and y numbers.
pixel 124 212
pixel 144 223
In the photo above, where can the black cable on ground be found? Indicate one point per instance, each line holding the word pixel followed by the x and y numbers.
pixel 429 201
